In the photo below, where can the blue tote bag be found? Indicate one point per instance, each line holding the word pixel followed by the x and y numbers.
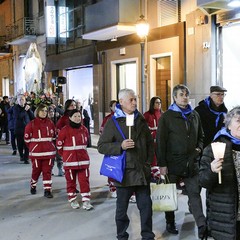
pixel 113 166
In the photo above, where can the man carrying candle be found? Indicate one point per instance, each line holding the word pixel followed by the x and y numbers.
pixel 224 200
pixel 139 155
pixel 179 144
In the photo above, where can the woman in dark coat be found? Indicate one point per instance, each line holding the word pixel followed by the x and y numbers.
pixel 224 201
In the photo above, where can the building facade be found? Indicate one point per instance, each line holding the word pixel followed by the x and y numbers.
pixel 94 45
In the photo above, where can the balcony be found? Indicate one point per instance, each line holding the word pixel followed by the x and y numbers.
pixel 23 31
pixel 119 19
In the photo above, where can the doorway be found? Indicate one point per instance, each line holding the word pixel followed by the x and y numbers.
pixel 230 52
pixel 124 75
pixel 161 78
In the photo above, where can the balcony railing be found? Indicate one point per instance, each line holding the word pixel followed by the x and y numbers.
pixel 22 27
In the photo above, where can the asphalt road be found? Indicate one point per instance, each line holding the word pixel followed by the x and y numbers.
pixel 33 217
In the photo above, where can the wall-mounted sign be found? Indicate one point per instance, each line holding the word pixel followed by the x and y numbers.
pixel 51 22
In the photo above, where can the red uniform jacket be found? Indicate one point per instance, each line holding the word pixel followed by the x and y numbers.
pixel 152 121
pixel 105 121
pixel 72 146
pixel 63 121
pixel 39 137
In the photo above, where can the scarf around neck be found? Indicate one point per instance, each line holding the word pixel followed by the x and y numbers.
pixel 225 132
pixel 218 114
pixel 174 107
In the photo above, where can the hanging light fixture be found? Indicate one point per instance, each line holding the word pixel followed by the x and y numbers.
pixel 234 3
pixel 142 27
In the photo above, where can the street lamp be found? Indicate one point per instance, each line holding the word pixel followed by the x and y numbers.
pixel 142 29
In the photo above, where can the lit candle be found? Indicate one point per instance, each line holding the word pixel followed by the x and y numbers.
pixel 130 122
pixel 218 149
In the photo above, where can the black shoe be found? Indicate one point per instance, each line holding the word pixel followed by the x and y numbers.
pixel 202 232
pixel 171 228
pixel 48 194
pixel 22 159
pixel 33 190
pixel 26 161
pixel 14 152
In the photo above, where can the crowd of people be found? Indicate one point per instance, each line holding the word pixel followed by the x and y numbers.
pixel 176 143
pixel 45 133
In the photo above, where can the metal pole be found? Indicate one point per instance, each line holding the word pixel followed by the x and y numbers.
pixel 143 100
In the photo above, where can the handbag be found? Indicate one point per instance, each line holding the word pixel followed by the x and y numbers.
pixel 113 166
pixel 164 196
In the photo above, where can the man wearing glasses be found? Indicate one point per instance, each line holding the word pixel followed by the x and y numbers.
pixel 212 111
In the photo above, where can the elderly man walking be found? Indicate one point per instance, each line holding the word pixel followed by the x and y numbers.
pixel 139 155
pixel 179 144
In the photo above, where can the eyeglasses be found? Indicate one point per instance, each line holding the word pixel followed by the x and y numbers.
pixel 157 102
pixel 220 94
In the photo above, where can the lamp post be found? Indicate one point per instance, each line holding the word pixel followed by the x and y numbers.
pixel 142 28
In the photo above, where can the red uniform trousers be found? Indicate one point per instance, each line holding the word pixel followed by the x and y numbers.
pixel 43 166
pixel 82 175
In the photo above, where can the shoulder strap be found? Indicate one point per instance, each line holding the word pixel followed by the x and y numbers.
pixel 118 127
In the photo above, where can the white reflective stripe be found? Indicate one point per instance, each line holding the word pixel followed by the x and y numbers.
pixel 86 194
pixel 40 140
pixel 36 163
pixel 59 147
pixel 72 194
pixel 71 176
pixel 155 125
pixel 42 154
pixel 72 164
pixel 39 134
pixel 47 131
pixel 73 141
pixel 75 147
pixel 153 128
pixel 47 182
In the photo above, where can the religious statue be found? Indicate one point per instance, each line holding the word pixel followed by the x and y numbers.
pixel 33 69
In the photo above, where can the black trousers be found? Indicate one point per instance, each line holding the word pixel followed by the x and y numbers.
pixel 194 194
pixel 144 205
pixel 22 148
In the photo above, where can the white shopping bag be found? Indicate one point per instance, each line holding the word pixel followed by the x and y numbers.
pixel 164 197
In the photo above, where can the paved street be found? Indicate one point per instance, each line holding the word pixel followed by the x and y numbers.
pixel 32 217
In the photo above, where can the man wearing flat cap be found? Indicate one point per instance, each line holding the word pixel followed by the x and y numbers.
pixel 212 111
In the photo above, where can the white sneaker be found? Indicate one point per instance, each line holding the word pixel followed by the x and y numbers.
pixel 113 194
pixel 75 204
pixel 87 205
pixel 132 199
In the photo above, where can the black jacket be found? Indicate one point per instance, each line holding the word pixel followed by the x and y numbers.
pixel 138 160
pixel 208 120
pixel 21 118
pixel 222 198
pixel 177 140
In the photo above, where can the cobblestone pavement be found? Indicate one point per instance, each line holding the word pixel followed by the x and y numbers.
pixel 32 217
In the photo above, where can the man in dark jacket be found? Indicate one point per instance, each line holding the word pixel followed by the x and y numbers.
pixel 139 155
pixel 212 111
pixel 22 115
pixel 179 144
pixel 4 105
